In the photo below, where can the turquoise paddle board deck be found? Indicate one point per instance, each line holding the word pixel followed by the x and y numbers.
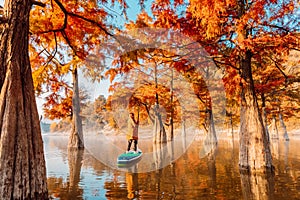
pixel 127 158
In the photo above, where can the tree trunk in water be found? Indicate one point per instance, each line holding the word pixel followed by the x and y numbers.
pixel 230 126
pixel 183 134
pixel 232 131
pixel 22 163
pixel 159 134
pixel 284 134
pixel 265 117
pixel 274 145
pixel 254 146
pixel 210 141
pixel 76 137
pixel 171 132
pixel 159 131
pixel 211 136
pixel 273 129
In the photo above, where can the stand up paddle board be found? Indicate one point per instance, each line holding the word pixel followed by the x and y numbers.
pixel 128 158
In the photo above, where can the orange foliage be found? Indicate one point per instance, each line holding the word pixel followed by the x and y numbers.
pixel 64 33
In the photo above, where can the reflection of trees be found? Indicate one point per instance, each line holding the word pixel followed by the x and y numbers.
pixel 170 145
pixel 163 154
pixel 75 158
pixel 212 170
pixel 159 155
pixel 257 186
pixel 287 170
pixel 209 145
pixel 214 177
pixel 187 178
pixel 286 153
pixel 68 190
pixel 57 187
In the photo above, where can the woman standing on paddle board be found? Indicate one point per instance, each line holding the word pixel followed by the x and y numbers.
pixel 132 132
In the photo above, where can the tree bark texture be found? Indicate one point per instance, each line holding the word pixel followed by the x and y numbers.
pixel 274 129
pixel 210 141
pixel 171 131
pixel 22 163
pixel 274 145
pixel 159 131
pixel 254 145
pixel 211 131
pixel 284 135
pixel 265 122
pixel 76 137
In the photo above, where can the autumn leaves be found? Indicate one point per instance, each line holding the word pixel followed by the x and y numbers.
pixel 219 49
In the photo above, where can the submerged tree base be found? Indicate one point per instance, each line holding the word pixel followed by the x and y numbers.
pixel 75 141
pixel 262 170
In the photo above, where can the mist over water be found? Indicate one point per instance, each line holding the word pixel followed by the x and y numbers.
pixel 81 175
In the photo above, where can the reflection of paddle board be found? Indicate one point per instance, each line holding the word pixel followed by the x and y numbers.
pixel 129 158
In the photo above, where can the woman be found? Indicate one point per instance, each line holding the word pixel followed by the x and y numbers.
pixel 132 132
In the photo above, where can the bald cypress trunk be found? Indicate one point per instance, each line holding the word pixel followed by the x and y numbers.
pixel 284 133
pixel 76 136
pixel 159 131
pixel 22 163
pixel 274 129
pixel 254 144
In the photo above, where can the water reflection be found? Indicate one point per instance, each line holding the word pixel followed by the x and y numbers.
pixel 211 163
pixel 286 153
pixel 75 158
pixel 69 188
pixel 215 176
pixel 132 182
pixel 258 186
pixel 163 154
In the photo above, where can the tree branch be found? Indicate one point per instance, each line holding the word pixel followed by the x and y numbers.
pixel 55 51
pixel 148 112
pixel 278 27
pixel 92 22
pixel 69 42
pixel 278 67
pixel 37 3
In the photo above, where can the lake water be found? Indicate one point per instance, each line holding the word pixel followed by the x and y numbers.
pixel 185 173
